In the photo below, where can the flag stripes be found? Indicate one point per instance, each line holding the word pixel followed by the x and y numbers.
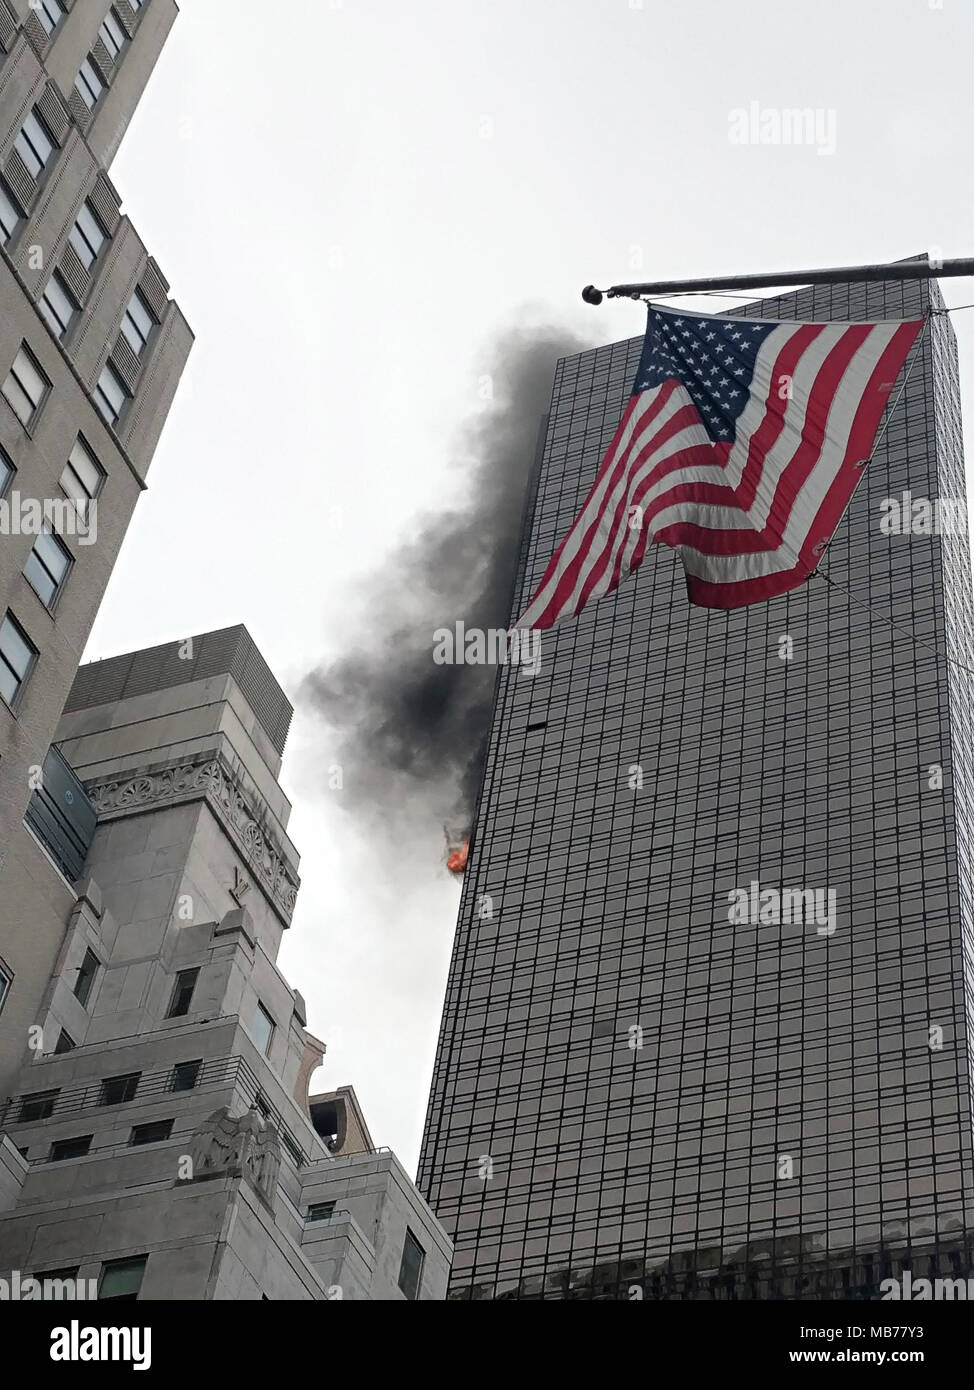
pixel 748 489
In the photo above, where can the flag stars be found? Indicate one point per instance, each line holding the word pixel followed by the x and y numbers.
pixel 717 380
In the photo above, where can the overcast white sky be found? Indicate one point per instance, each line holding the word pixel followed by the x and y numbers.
pixel 350 197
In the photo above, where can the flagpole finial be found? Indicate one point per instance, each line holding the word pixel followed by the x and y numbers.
pixel 591 295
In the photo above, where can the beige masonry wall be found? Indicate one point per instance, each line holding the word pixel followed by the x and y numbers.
pixel 36 71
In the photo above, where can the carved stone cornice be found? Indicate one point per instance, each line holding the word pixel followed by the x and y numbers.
pixel 209 778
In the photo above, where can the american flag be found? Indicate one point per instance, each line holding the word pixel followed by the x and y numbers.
pixel 740 447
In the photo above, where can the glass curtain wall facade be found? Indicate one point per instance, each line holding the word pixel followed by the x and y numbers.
pixel 634 1095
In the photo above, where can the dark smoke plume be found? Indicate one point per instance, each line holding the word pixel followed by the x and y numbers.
pixel 411 734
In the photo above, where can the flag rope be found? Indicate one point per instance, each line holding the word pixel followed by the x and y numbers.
pixel 868 608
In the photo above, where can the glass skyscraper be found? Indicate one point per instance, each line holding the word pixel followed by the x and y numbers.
pixel 635 1095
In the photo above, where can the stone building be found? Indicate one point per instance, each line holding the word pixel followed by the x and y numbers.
pixel 156 1134
pixel 91 352
pixel 160 1138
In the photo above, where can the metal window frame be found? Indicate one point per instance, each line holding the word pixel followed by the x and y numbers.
pixel 112 417
pixel 59 584
pixel 82 85
pixel 45 391
pixel 86 206
pixel 193 970
pixel 22 135
pixel 6 462
pixel 123 1080
pixel 83 1000
pixel 41 8
pixel 56 276
pixel 85 500
pixel 150 1124
pixel 43 1102
pixel 115 49
pixel 265 1049
pixel 195 1062
pixel 409 1236
pixel 60 1144
pixel 9 233
pixel 34 654
pixel 127 318
pixel 110 1266
pixel 318 1207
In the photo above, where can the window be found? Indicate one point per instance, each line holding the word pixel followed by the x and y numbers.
pixel 185 1075
pixel 411 1268
pixel 39 1106
pixel 261 1104
pixel 122 1279
pixel 87 236
pixel 60 814
pixel 70 1148
pixel 88 84
pixel 57 306
pixel 34 145
pixel 5 981
pixel 137 324
pixel 49 12
pixel 86 976
pixel 83 478
pixel 263 1029
pixel 17 657
pixel 116 1090
pixel 153 1133
pixel 182 993
pixel 61 1285
pixel 112 34
pixel 9 216
pixel 321 1211
pixel 110 395
pixel 7 471
pixel 65 1042
pixel 47 566
pixel 25 387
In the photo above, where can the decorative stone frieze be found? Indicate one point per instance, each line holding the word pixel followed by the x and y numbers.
pixel 212 779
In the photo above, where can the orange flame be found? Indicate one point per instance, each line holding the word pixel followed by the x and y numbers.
pixel 457 858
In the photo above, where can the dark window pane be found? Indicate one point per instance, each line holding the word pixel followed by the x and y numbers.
pixel 116 1090
pixel 185 1075
pixel 411 1268
pixel 39 1106
pixel 122 1279
pixel 70 1148
pixel 152 1133
pixel 182 993
pixel 86 975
